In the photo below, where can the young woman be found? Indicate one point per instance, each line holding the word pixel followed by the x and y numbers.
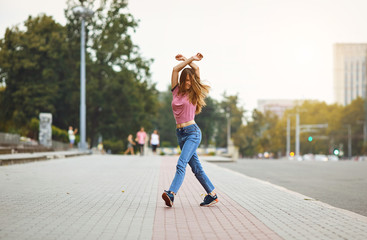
pixel 188 99
pixel 140 138
pixel 130 145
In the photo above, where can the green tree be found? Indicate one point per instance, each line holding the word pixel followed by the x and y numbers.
pixel 257 135
pixel 229 105
pixel 41 70
pixel 313 112
pixel 268 131
pixel 353 116
pixel 207 121
pixel 32 62
pixel 120 96
pixel 165 122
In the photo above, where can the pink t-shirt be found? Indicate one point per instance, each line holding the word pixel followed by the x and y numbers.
pixel 141 137
pixel 183 110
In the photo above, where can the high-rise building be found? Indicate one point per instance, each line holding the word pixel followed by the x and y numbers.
pixel 350 61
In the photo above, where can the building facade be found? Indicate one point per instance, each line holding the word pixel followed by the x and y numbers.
pixel 277 106
pixel 350 61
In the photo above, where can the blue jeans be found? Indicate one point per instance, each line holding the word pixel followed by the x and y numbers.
pixel 189 139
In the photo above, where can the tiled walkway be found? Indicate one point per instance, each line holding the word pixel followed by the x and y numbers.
pixel 187 220
pixel 119 197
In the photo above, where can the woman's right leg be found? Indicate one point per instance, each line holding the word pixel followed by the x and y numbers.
pixel 187 151
pixel 141 147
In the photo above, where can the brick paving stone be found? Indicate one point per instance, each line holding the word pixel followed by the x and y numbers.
pixel 79 198
pixel 287 213
pixel 187 220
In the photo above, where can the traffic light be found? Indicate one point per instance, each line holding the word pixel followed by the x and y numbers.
pixel 336 152
pixel 310 138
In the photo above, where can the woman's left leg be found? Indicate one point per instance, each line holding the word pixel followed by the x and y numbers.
pixel 200 175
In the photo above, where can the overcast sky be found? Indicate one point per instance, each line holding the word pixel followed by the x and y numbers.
pixel 260 49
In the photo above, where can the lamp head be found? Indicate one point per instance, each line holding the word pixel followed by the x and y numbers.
pixel 81 11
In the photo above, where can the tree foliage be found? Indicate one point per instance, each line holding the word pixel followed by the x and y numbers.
pixel 267 133
pixel 32 62
pixel 41 68
pixel 165 122
pixel 120 96
pixel 207 121
pixel 229 108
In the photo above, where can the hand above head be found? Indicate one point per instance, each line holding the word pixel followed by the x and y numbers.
pixel 180 66
pixel 198 57
pixel 180 57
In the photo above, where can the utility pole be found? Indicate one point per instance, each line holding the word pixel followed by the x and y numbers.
pixel 288 137
pixel 297 135
pixel 349 141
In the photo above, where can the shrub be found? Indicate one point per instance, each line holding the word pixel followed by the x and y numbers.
pixel 59 134
pixel 116 147
pixel 32 130
pixel 166 144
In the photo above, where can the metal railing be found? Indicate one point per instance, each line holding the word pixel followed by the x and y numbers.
pixel 8 138
pixel 16 139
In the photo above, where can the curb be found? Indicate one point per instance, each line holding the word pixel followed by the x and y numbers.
pixel 10 159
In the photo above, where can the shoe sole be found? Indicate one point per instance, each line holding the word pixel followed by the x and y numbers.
pixel 168 201
pixel 210 204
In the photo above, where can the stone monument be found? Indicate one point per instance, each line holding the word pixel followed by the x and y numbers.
pixel 45 131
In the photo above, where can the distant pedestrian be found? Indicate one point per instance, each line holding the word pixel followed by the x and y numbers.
pixel 154 141
pixel 130 145
pixel 101 148
pixel 188 99
pixel 140 138
pixel 71 134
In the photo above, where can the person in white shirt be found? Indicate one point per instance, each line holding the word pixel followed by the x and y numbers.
pixel 71 134
pixel 154 141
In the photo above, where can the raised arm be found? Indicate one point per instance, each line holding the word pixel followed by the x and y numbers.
pixel 192 64
pixel 180 66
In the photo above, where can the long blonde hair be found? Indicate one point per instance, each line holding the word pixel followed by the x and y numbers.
pixel 198 91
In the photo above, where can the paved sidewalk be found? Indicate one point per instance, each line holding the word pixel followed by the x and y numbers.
pixel 187 220
pixel 119 197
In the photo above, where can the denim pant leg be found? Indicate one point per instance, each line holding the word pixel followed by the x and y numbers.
pixel 200 175
pixel 188 144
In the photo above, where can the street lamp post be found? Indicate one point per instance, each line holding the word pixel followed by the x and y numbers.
pixel 228 130
pixel 288 149
pixel 229 140
pixel 297 145
pixel 83 13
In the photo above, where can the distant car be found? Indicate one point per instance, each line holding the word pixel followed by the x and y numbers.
pixel 333 158
pixel 308 157
pixel 321 157
pixel 295 158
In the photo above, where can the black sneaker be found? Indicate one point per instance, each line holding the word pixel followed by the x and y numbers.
pixel 168 197
pixel 209 200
